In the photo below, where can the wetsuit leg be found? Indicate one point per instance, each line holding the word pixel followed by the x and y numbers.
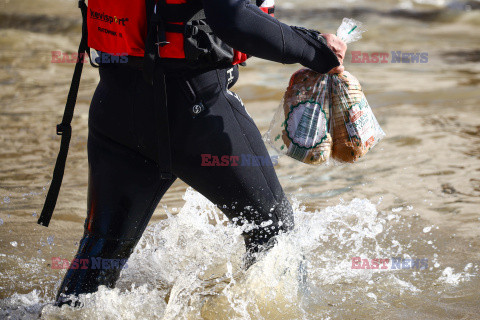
pixel 245 189
pixel 123 191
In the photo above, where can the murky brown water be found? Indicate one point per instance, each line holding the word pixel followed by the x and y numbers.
pixel 425 173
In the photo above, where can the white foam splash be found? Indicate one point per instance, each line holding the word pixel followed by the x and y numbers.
pixel 450 277
pixel 427 229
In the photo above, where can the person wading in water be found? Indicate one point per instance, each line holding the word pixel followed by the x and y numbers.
pixel 152 118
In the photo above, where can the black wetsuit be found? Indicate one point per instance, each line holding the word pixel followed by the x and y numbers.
pixel 124 184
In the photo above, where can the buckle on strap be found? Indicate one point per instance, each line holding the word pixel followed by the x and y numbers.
pixel 194 29
pixel 63 128
pixel 162 43
pixel 191 30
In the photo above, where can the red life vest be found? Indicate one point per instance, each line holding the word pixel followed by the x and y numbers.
pixel 117 27
pixel 120 28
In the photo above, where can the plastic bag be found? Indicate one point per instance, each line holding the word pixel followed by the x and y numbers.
pixel 324 116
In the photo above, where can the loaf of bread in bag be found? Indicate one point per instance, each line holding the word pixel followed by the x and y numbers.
pixel 304 86
pixel 347 143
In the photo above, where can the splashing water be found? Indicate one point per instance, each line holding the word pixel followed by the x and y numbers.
pixel 188 266
pixel 50 240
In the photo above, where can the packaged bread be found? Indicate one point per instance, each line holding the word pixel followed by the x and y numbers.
pixel 322 117
pixel 304 133
pixel 325 116
pixel 354 128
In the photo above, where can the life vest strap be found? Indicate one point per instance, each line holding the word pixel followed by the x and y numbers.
pixel 65 129
pixel 182 12
pixel 187 29
pixel 155 76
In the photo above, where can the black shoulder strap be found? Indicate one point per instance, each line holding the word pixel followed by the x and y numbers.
pixel 154 75
pixel 183 12
pixel 149 6
pixel 155 37
pixel 65 129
